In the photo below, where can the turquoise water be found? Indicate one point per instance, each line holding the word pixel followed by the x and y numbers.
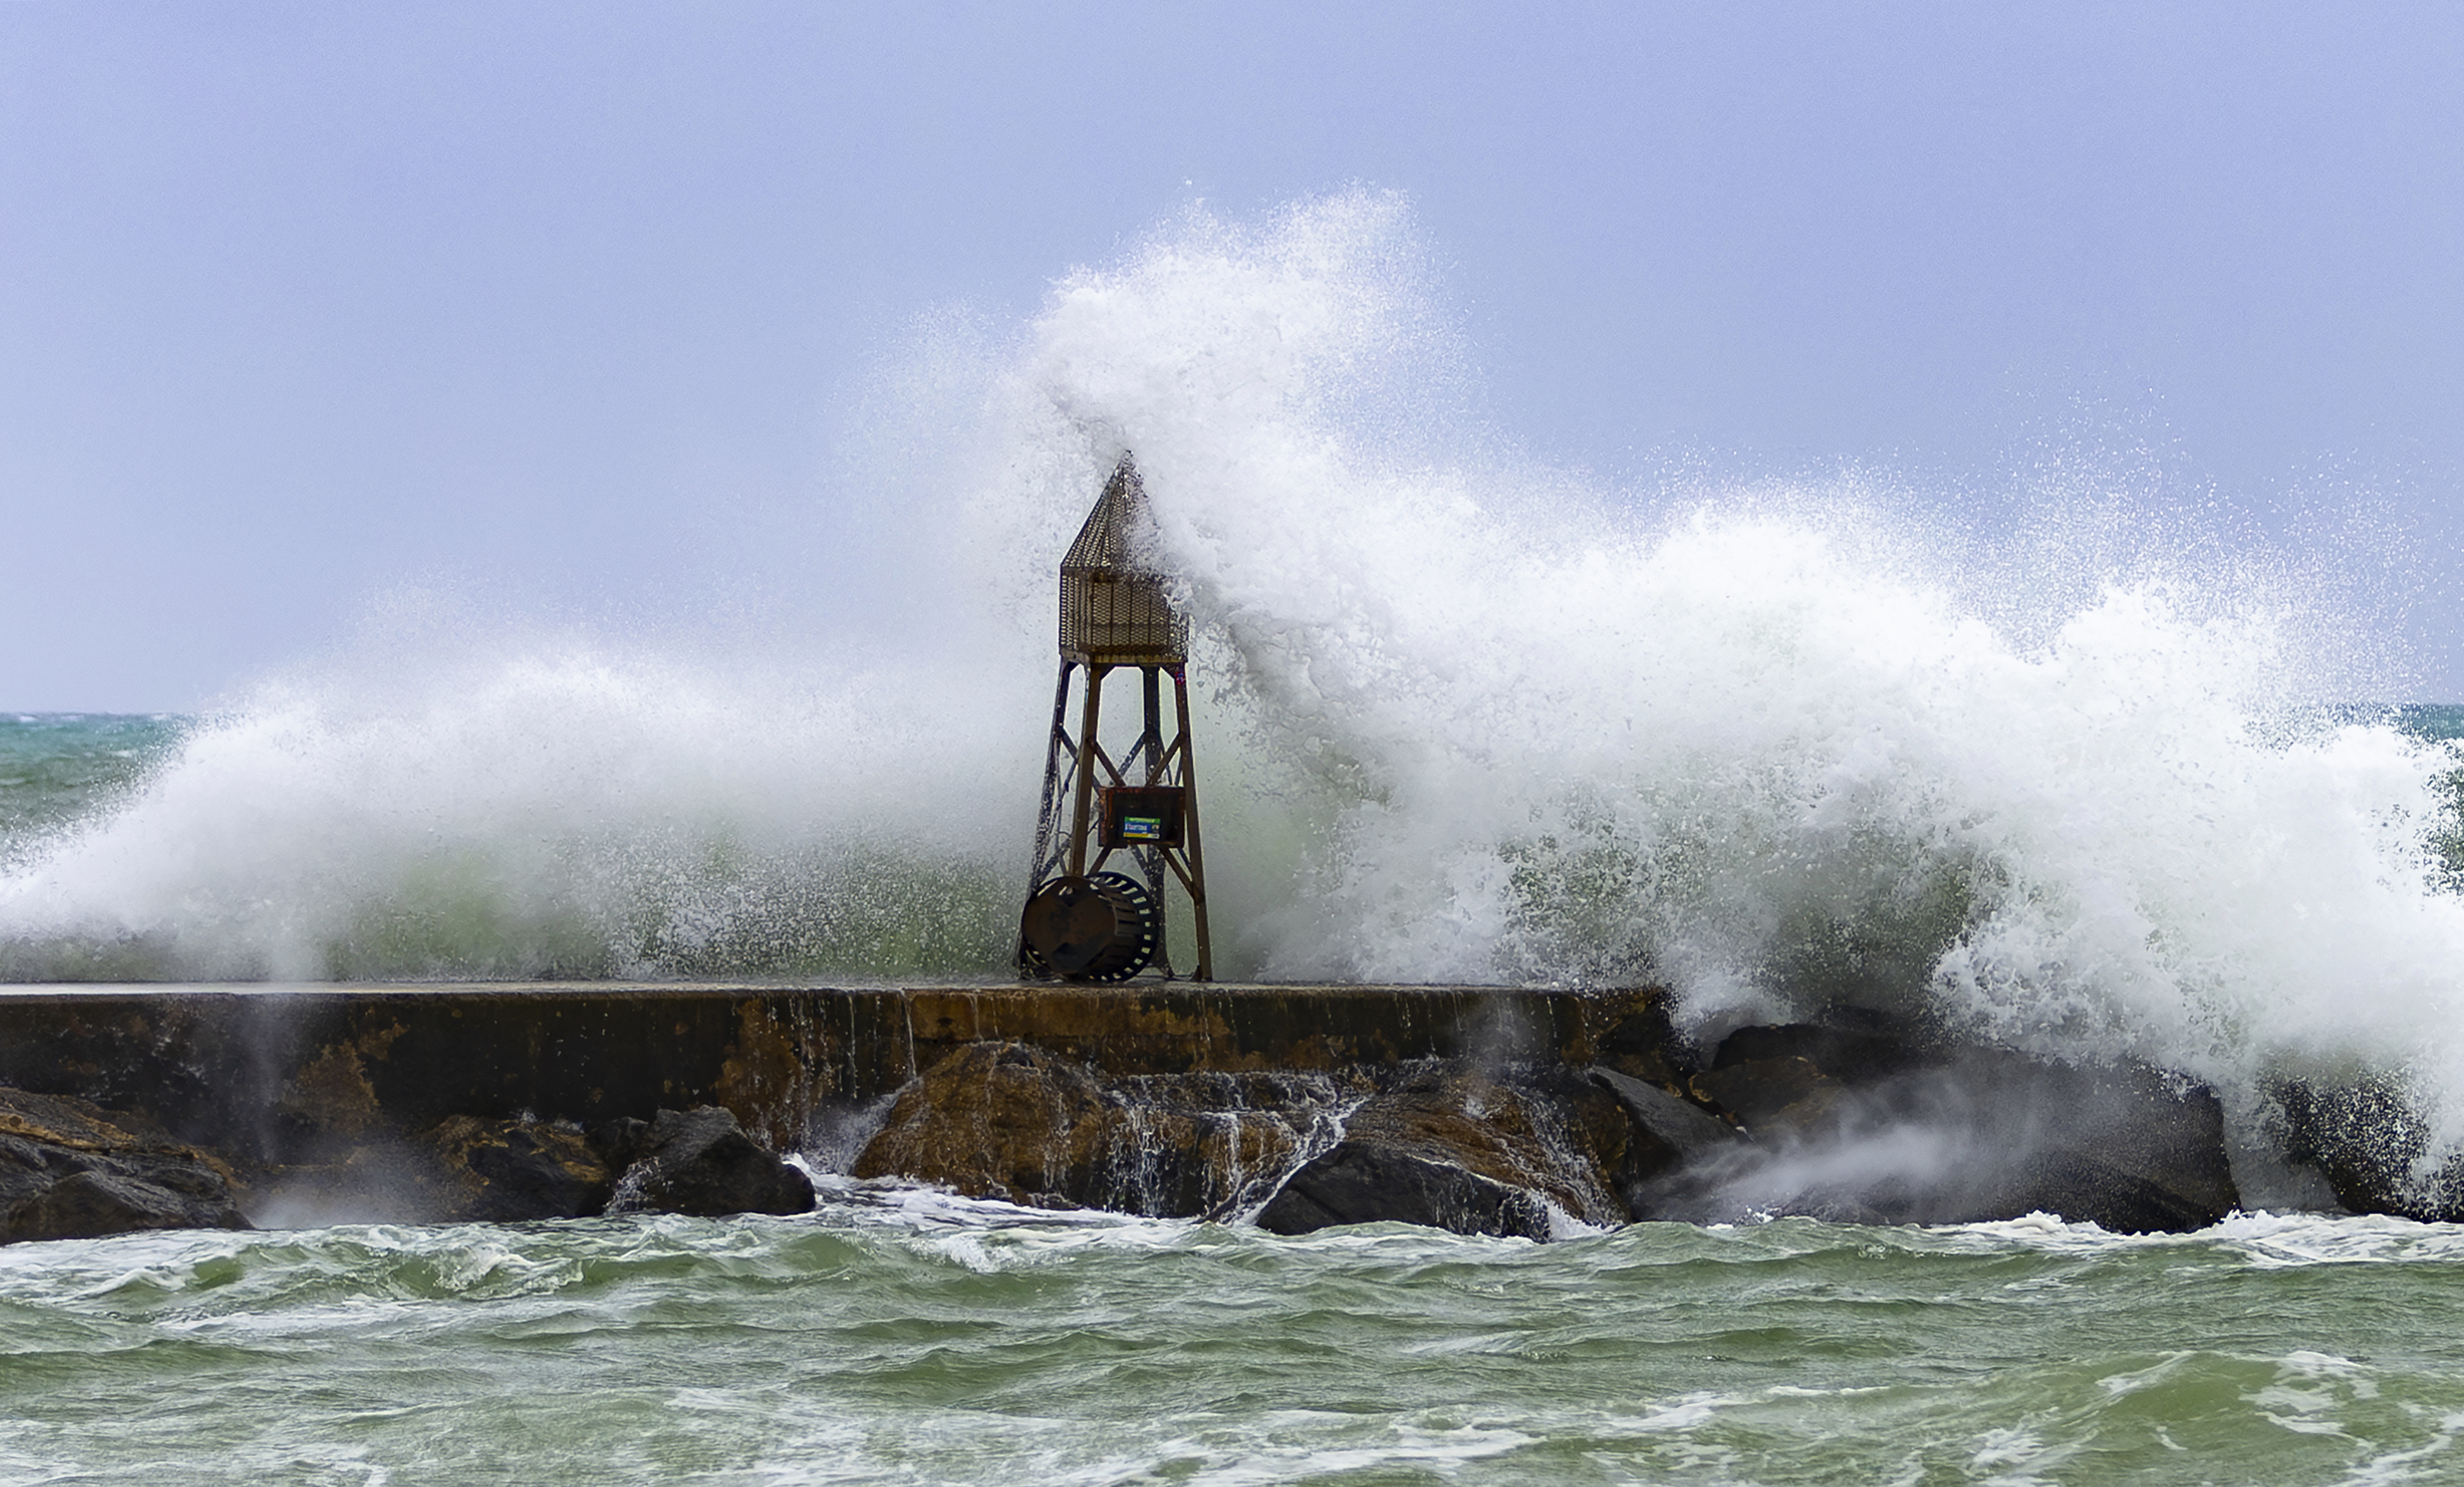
pixel 56 768
pixel 905 1337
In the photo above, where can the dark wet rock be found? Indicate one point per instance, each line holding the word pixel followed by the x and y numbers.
pixel 2084 1188
pixel 508 1171
pixel 1980 1135
pixel 1852 1047
pixel 700 1162
pixel 1673 1147
pixel 2164 1131
pixel 1645 1046
pixel 2124 1146
pixel 71 1171
pixel 1679 1132
pixel 2366 1140
pixel 1577 1118
pixel 1367 1182
pixel 1453 1148
pixel 1782 1096
pixel 99 1201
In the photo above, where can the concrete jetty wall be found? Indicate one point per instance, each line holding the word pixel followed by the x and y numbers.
pixel 266 1069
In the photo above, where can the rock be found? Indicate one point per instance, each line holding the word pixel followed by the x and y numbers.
pixel 509 1171
pixel 1362 1182
pixel 1206 1145
pixel 1674 1149
pixel 700 1162
pixel 2082 1188
pixel 1851 1045
pixel 70 1170
pixel 1679 1132
pixel 2366 1140
pixel 1643 1045
pixel 1013 1121
pixel 2124 1146
pixel 1450 1148
pixel 1786 1095
pixel 88 1203
pixel 1954 1136
pixel 994 1120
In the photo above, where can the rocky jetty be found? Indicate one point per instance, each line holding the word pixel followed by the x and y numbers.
pixel 1485 1110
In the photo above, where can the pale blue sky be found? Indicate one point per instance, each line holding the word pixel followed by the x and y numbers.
pixel 299 302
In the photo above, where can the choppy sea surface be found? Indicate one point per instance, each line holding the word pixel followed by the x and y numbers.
pixel 898 1336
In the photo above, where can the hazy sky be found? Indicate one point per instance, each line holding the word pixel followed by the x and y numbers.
pixel 299 302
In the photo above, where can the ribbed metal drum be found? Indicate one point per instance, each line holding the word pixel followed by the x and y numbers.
pixel 1099 928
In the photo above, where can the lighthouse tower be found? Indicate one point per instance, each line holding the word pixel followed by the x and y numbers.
pixel 1086 918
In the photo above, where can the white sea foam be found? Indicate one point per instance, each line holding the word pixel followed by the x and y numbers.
pixel 1462 718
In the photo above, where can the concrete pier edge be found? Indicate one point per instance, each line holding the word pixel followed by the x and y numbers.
pixel 264 1068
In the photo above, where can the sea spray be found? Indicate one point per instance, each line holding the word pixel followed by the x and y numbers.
pixel 538 812
pixel 1461 719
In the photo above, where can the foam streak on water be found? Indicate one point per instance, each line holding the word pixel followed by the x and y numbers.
pixel 1461 719
pixel 899 1336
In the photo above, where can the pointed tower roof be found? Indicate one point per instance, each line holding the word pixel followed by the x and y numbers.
pixel 1119 532
pixel 1114 606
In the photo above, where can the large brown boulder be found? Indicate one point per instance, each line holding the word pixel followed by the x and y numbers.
pixel 71 1171
pixel 996 1121
pixel 1014 1122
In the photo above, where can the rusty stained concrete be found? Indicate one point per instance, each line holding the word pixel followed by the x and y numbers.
pixel 270 1069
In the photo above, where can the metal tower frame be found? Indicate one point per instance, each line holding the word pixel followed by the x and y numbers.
pixel 1116 614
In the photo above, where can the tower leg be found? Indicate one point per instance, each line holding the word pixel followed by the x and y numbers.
pixel 1151 859
pixel 1190 848
pixel 1059 756
pixel 1086 798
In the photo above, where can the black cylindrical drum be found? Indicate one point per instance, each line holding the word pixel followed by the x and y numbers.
pixel 1099 928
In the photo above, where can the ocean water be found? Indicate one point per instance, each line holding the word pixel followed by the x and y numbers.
pixel 2056 767
pixel 904 1337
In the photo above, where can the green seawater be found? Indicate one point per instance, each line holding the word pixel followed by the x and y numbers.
pixel 907 1336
